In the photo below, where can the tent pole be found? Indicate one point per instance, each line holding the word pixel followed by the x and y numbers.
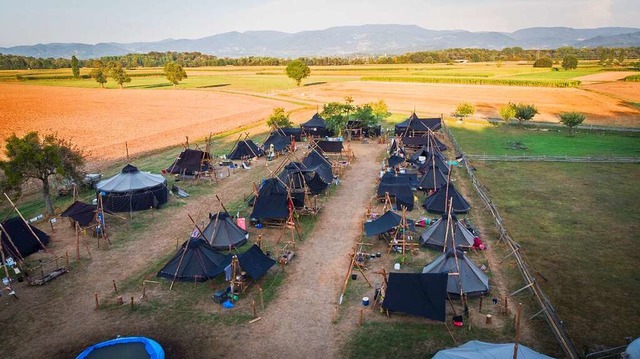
pixel 28 226
pixel 18 254
pixel 4 262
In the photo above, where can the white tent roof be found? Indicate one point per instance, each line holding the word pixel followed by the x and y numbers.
pixel 480 350
pixel 130 179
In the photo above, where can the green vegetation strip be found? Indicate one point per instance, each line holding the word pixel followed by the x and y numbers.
pixel 476 81
pixel 632 78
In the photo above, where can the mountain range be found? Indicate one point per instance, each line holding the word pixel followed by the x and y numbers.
pixel 346 41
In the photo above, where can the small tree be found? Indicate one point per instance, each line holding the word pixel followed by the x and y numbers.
pixel 507 112
pixel 99 75
pixel 279 119
pixel 75 69
pixel 174 73
pixel 118 74
pixel 570 62
pixel 365 115
pixel 298 70
pixel 524 112
pixel 380 109
pixel 464 110
pixel 337 114
pixel 543 62
pixel 33 157
pixel 572 119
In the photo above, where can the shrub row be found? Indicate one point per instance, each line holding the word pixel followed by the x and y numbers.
pixel 633 78
pixel 477 81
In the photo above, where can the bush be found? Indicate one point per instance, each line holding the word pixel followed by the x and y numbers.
pixel 571 119
pixel 543 62
pixel 570 62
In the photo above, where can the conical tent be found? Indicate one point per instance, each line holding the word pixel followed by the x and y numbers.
pixel 416 126
pixel 467 278
pixel 316 126
pixel 432 179
pixel 133 190
pixel 271 202
pixel 480 350
pixel 245 149
pixel 190 161
pixel 438 202
pixel 222 232
pixel 196 260
pixel 434 236
pixel 434 158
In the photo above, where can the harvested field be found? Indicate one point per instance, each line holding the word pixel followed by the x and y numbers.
pixel 628 91
pixel 434 99
pixel 100 121
pixel 606 76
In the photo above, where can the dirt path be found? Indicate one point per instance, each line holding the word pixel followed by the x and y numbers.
pixel 298 323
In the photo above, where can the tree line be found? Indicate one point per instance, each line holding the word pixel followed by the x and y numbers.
pixel 196 59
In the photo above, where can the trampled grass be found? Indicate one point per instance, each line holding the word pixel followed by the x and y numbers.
pixel 578 227
pixel 480 137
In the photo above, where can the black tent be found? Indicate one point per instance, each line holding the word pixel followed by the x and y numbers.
pixel 292 132
pixel 191 161
pixel 81 212
pixel 401 192
pixel 330 146
pixel 434 236
pixel 418 294
pixel 245 149
pixel 255 262
pixel 388 221
pixel 22 241
pixel 279 141
pixel 271 202
pixel 439 201
pixel 316 127
pixel 400 178
pixel 413 125
pixel 133 190
pixel 432 158
pixel 199 262
pixel 222 232
pixel 432 179
pixel 428 141
pixel 300 178
pixel 395 160
pixel 467 278
pixel 318 163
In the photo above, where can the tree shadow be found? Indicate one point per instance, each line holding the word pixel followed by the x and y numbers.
pixel 315 83
pixel 211 86
pixel 151 86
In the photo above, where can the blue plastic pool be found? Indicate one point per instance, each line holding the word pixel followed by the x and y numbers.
pixel 124 348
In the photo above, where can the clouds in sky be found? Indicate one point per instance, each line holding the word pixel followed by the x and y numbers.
pixel 89 21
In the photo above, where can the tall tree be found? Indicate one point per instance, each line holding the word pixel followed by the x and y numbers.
pixel 298 70
pixel 569 62
pixel 174 73
pixel 118 74
pixel 75 68
pixel 33 157
pixel 99 75
pixel 279 119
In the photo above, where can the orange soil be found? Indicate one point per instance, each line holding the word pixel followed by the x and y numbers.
pixel 606 76
pixel 100 121
pixel 628 91
pixel 436 99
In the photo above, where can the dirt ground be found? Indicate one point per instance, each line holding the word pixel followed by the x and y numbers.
pixel 101 121
pixel 627 91
pixel 436 99
pixel 605 76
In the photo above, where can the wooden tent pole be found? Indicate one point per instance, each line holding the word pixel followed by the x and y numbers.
pixel 15 248
pixel 346 278
pixel 77 241
pixel 4 262
pixel 517 339
pixel 28 226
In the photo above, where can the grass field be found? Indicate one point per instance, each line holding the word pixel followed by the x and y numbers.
pixel 578 227
pixel 480 137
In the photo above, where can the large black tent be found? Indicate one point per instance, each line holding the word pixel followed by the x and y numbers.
pixel 245 149
pixel 316 127
pixel 280 142
pixel 418 294
pixel 428 141
pixel 395 160
pixel 466 277
pixel 413 125
pixel 433 158
pixel 388 221
pixel 438 202
pixel 400 178
pixel 292 132
pixel 17 239
pixel 198 261
pixel 191 161
pixel 434 236
pixel 432 178
pixel 222 232
pixel 301 178
pixel 133 190
pixel 330 146
pixel 81 212
pixel 400 191
pixel 318 163
pixel 255 262
pixel 271 202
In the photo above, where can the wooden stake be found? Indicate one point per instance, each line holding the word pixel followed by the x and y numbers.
pixel 480 306
pixel 360 319
pixel 144 290
pixel 131 303
pixel 515 345
pixel 255 314
pixel 77 242
pixel 262 298
pixel 95 294
pixel 115 288
pixel 506 305
pixel 67 256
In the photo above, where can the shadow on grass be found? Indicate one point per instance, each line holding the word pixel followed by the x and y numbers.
pixel 211 86
pixel 151 86
pixel 315 83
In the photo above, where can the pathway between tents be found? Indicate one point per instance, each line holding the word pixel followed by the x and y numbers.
pixel 298 323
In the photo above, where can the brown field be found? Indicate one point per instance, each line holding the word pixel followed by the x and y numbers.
pixel 606 76
pixel 628 91
pixel 435 99
pixel 101 121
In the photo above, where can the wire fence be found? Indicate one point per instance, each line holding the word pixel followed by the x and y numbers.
pixel 555 324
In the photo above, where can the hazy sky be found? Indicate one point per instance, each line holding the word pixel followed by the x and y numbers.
pixel 27 22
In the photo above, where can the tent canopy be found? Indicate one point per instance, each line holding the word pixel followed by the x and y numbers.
pixel 418 294
pixel 190 161
pixel 434 236
pixel 400 178
pixel 413 124
pixel 279 141
pixel 439 201
pixel 298 176
pixel 433 178
pixel 200 262
pixel 130 179
pixel 133 190
pixel 385 223
pixel 330 146
pixel 245 149
pixel 25 244
pixel 470 280
pixel 316 162
pixel 316 126
pixel 395 160
pixel 255 262
pixel 480 350
pixel 81 212
pixel 400 191
pixel 271 202
pixel 292 132
pixel 222 232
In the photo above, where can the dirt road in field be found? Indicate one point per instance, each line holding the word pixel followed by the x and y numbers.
pixel 435 99
pixel 298 323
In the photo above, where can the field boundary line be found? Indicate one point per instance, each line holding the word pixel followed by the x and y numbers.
pixel 544 158
pixel 555 324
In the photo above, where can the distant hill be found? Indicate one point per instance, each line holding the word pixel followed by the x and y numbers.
pixel 347 40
